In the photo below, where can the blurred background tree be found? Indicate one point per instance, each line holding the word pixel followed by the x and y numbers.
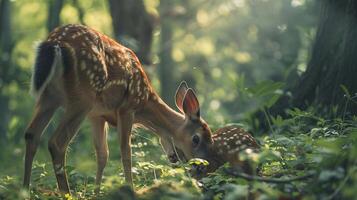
pixel 54 11
pixel 6 47
pixel 330 77
pixel 133 26
pixel 166 63
pixel 329 82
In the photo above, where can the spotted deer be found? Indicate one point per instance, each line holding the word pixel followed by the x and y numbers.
pixel 228 143
pixel 90 75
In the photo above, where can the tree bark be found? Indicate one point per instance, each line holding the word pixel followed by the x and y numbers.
pixel 333 63
pixel 133 26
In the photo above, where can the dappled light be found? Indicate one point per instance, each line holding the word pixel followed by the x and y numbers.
pixel 199 99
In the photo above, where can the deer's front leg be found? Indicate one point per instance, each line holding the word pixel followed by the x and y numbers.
pixel 125 123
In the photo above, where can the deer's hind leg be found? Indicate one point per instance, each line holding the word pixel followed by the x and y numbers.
pixel 60 140
pixel 44 110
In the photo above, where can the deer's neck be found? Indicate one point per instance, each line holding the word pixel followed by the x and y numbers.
pixel 160 118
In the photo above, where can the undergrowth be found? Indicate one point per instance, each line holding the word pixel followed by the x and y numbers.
pixel 299 145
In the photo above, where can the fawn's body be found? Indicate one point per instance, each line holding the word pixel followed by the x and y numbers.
pixel 90 75
pixel 229 143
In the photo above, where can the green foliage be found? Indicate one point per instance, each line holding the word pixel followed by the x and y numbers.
pixel 267 92
pixel 302 144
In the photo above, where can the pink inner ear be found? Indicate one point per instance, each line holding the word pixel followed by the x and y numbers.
pixel 180 95
pixel 190 104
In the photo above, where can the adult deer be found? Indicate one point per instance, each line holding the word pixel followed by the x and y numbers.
pixel 91 75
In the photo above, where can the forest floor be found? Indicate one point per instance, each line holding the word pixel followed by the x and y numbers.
pixel 322 151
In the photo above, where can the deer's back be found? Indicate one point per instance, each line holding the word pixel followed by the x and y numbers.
pixel 99 70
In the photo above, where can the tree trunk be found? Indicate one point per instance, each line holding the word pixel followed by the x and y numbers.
pixel 166 62
pixel 6 46
pixel 54 11
pixel 333 63
pixel 133 26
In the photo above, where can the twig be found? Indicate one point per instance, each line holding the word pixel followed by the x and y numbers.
pixel 268 180
pixel 174 147
pixel 268 119
pixel 178 157
pixel 155 174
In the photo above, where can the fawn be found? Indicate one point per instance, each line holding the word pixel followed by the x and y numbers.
pixel 91 75
pixel 228 143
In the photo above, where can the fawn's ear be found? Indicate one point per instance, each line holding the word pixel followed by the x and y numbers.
pixel 191 107
pixel 180 95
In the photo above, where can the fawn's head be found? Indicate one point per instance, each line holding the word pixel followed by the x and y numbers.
pixel 199 134
pixel 230 143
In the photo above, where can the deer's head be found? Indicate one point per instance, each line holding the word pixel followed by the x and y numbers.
pixel 196 136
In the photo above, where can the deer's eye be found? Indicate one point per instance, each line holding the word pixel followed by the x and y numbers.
pixel 195 140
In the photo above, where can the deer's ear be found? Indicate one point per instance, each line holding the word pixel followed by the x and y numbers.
pixel 180 95
pixel 191 106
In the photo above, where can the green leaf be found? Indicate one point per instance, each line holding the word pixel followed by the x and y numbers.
pixel 198 161
pixel 265 88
